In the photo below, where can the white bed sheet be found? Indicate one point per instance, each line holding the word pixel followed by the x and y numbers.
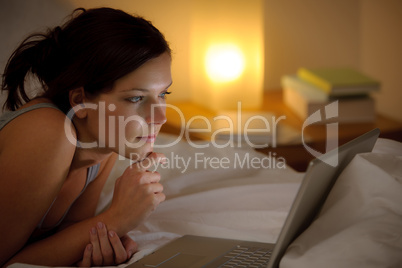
pixel 231 201
pixel 252 204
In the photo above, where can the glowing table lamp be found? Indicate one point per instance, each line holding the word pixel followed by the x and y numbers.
pixel 227 54
pixel 224 63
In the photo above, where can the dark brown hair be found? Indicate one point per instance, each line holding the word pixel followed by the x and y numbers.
pixel 92 50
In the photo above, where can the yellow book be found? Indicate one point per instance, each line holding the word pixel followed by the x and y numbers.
pixel 305 99
pixel 339 81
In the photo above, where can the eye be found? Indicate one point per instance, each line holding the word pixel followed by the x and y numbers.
pixel 136 99
pixel 163 94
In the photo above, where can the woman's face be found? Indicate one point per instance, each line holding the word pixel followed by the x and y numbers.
pixel 130 116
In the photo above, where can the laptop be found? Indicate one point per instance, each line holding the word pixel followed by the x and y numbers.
pixel 196 251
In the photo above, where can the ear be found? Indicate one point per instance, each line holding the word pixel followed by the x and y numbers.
pixel 77 99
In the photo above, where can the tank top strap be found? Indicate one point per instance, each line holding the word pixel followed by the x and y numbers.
pixel 7 117
pixel 91 175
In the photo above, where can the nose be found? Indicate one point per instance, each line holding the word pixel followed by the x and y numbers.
pixel 156 114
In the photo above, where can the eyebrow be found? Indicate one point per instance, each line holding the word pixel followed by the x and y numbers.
pixel 143 89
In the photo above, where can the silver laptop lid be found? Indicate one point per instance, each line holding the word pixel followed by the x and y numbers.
pixel 315 187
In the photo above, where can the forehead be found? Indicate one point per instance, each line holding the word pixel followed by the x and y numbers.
pixel 153 74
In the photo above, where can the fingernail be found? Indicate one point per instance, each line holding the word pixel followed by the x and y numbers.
pixel 111 233
pixel 93 230
pixel 89 247
pixel 100 225
pixel 130 253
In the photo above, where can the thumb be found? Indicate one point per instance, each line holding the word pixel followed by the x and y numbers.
pixel 130 245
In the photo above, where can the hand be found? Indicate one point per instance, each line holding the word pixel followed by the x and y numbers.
pixel 137 193
pixel 107 248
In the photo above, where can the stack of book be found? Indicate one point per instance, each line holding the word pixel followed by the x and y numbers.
pixel 311 89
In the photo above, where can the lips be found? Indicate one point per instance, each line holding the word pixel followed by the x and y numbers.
pixel 149 139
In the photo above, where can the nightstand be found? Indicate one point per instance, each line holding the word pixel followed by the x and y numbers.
pixel 295 152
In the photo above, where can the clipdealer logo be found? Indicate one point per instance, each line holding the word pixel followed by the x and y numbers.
pixel 330 112
pixel 201 160
pixel 116 127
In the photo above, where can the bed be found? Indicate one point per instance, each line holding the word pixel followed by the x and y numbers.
pixel 360 224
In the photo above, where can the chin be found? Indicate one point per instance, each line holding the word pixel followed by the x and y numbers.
pixel 138 154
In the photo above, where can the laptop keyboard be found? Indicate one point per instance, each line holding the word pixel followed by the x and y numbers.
pixel 241 256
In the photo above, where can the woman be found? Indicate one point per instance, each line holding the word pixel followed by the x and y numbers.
pixel 110 73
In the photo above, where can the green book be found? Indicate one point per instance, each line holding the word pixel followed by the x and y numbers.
pixel 339 81
pixel 305 99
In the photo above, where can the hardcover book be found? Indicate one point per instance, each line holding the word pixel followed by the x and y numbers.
pixel 339 81
pixel 304 99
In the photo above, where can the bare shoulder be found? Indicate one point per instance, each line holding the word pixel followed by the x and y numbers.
pixel 43 125
pixel 38 140
pixel 35 158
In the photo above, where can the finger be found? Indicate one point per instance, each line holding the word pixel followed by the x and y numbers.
pixel 136 158
pixel 130 246
pixel 160 197
pixel 151 160
pixel 87 258
pixel 97 258
pixel 157 199
pixel 118 248
pixel 106 248
pixel 150 177
pixel 155 188
pixel 158 157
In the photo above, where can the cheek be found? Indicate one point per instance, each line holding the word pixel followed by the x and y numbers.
pixel 125 124
pixel 133 129
pixel 129 127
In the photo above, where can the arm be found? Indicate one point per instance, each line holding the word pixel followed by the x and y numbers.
pixel 85 206
pixel 67 246
pixel 34 161
pixel 34 165
pixel 137 191
pixel 63 248
pixel 104 249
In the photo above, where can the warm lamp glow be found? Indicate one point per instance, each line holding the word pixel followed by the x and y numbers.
pixel 227 54
pixel 224 62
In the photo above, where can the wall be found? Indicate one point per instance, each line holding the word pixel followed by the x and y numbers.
pixel 381 51
pixel 19 18
pixel 309 33
pixel 360 33
pixel 365 34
